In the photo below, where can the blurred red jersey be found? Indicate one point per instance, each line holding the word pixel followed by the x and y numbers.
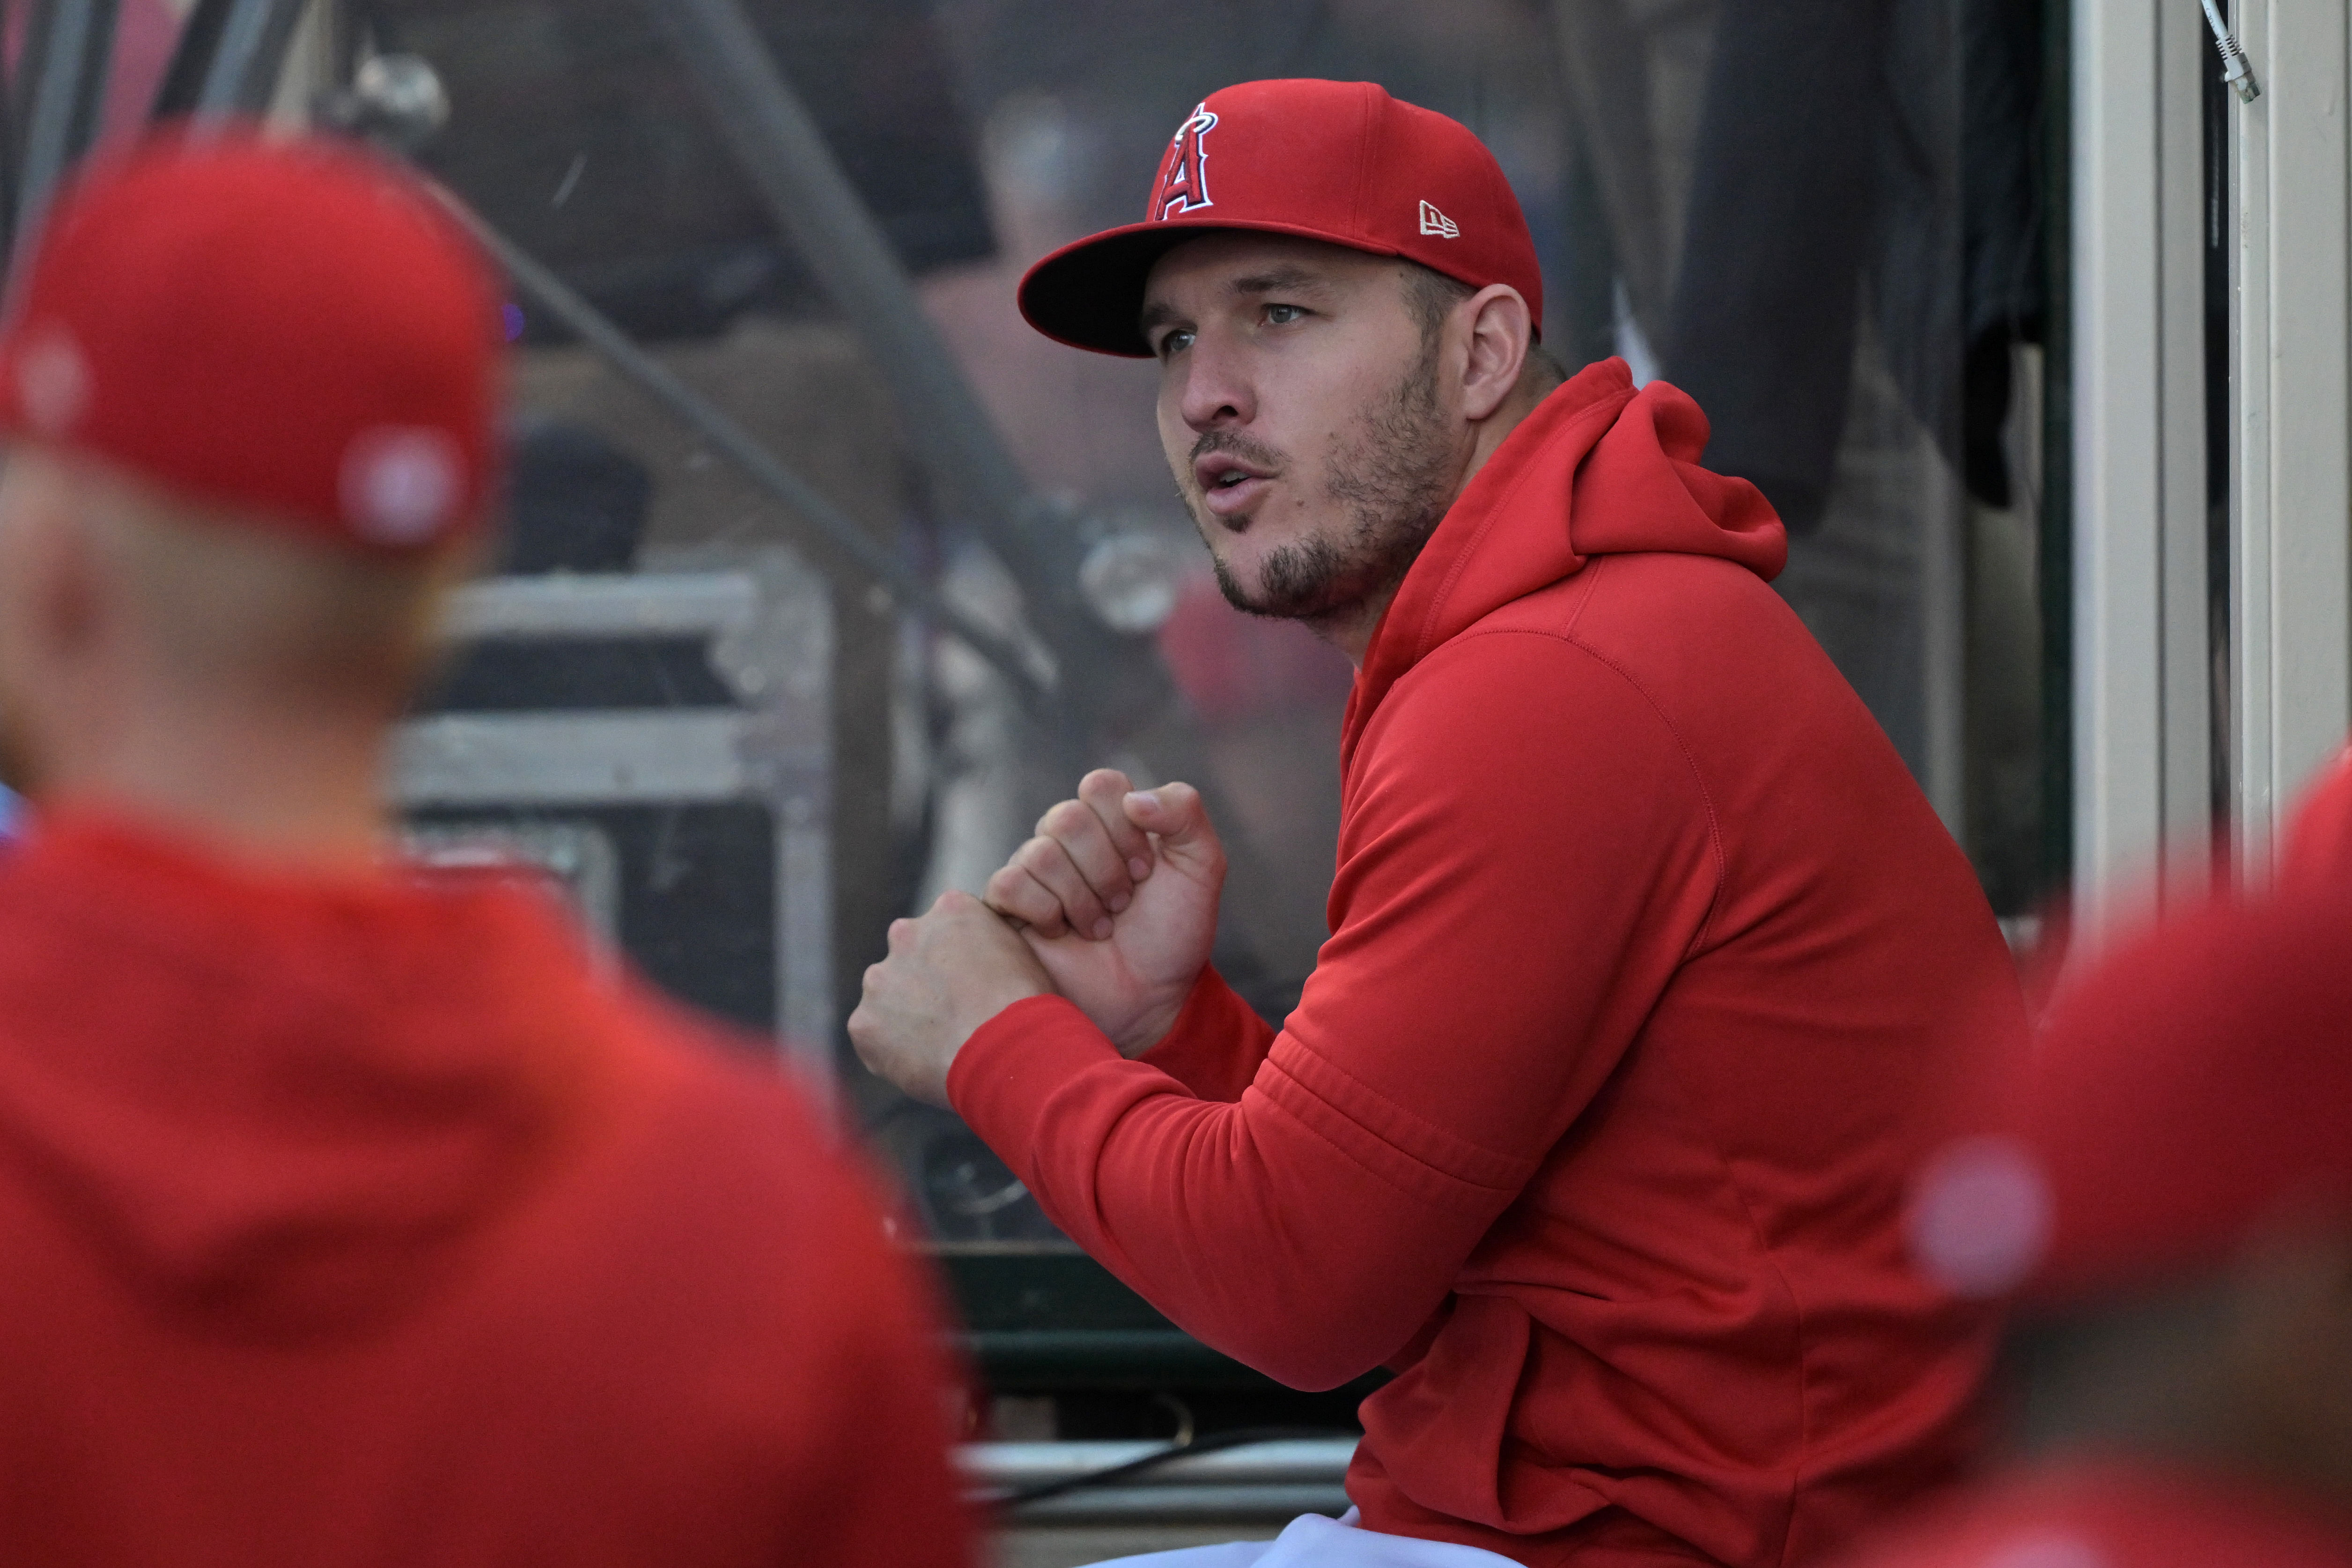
pixel 2319 835
pixel 373 1222
pixel 2118 1514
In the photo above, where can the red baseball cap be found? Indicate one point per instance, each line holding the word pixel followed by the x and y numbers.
pixel 1335 160
pixel 2192 1092
pixel 295 331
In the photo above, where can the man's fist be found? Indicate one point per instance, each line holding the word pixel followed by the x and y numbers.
pixel 1119 896
pixel 948 973
pixel 1083 866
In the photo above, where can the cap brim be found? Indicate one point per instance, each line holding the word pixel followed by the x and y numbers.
pixel 1089 295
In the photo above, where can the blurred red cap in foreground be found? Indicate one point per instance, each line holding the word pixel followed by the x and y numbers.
pixel 295 331
pixel 2189 1097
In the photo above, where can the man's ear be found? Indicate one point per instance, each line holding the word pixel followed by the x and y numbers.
pixel 1500 330
pixel 51 602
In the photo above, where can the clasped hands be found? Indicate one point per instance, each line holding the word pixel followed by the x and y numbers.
pixel 1112 905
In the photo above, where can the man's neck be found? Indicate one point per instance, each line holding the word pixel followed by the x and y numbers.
pixel 291 796
pixel 1350 628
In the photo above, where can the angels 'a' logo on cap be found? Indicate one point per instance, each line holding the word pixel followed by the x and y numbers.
pixel 1185 188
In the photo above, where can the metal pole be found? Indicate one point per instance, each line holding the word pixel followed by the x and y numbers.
pixel 244 69
pixel 745 450
pixel 785 155
pixel 11 146
pixel 69 49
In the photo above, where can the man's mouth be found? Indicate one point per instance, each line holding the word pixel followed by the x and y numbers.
pixel 1230 488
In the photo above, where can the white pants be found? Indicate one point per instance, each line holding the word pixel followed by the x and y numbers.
pixel 1312 1540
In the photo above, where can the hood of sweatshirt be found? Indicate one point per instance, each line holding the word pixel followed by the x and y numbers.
pixel 275 1102
pixel 1597 468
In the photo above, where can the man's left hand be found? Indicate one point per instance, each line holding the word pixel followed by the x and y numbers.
pixel 949 972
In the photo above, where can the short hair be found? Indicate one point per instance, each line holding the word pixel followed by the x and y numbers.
pixel 1430 296
pixel 273 614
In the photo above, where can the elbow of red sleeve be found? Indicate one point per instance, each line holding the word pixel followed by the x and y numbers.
pixel 1315 1340
pixel 1309 1361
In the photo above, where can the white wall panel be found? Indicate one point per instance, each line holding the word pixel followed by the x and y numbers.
pixel 2291 570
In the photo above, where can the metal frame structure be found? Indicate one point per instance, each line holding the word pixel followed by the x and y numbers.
pixel 2143 719
pixel 772 748
pixel 69 45
pixel 2291 563
pixel 2151 718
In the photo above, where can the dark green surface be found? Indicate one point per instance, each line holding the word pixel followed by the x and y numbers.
pixel 1049 1321
pixel 1011 1290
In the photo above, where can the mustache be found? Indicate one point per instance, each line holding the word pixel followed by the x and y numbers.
pixel 1233 444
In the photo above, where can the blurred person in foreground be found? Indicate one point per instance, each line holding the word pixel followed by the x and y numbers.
pixel 2316 847
pixel 2173 1203
pixel 355 1213
pixel 1650 968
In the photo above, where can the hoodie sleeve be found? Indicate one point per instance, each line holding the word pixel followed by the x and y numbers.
pixel 1214 1047
pixel 1528 856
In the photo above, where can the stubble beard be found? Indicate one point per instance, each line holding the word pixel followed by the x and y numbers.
pixel 1392 477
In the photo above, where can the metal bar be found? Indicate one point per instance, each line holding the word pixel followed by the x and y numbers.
pixel 68 49
pixel 780 147
pixel 1298 1461
pixel 739 447
pixel 600 756
pixel 1274 1481
pixel 244 69
pixel 632 605
pixel 11 145
pixel 1233 1505
pixel 192 55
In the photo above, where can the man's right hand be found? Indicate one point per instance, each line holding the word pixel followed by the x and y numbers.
pixel 1118 896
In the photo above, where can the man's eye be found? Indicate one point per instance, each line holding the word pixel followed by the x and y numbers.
pixel 1175 343
pixel 1283 315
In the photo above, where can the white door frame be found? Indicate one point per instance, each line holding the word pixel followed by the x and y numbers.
pixel 2292 529
pixel 2142 708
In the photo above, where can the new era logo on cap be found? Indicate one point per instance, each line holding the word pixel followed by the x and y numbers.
pixel 1434 222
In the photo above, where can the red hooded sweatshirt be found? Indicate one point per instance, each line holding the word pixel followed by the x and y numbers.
pixel 373 1223
pixel 1649 974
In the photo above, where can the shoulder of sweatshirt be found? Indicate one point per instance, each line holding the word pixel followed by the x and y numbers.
pixel 717 1109
pixel 734 1257
pixel 1532 758
pixel 705 1154
pixel 1625 633
pixel 1727 665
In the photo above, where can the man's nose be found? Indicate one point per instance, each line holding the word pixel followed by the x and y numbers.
pixel 1216 388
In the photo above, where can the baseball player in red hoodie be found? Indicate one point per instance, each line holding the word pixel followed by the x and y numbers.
pixel 355 1215
pixel 1648 962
